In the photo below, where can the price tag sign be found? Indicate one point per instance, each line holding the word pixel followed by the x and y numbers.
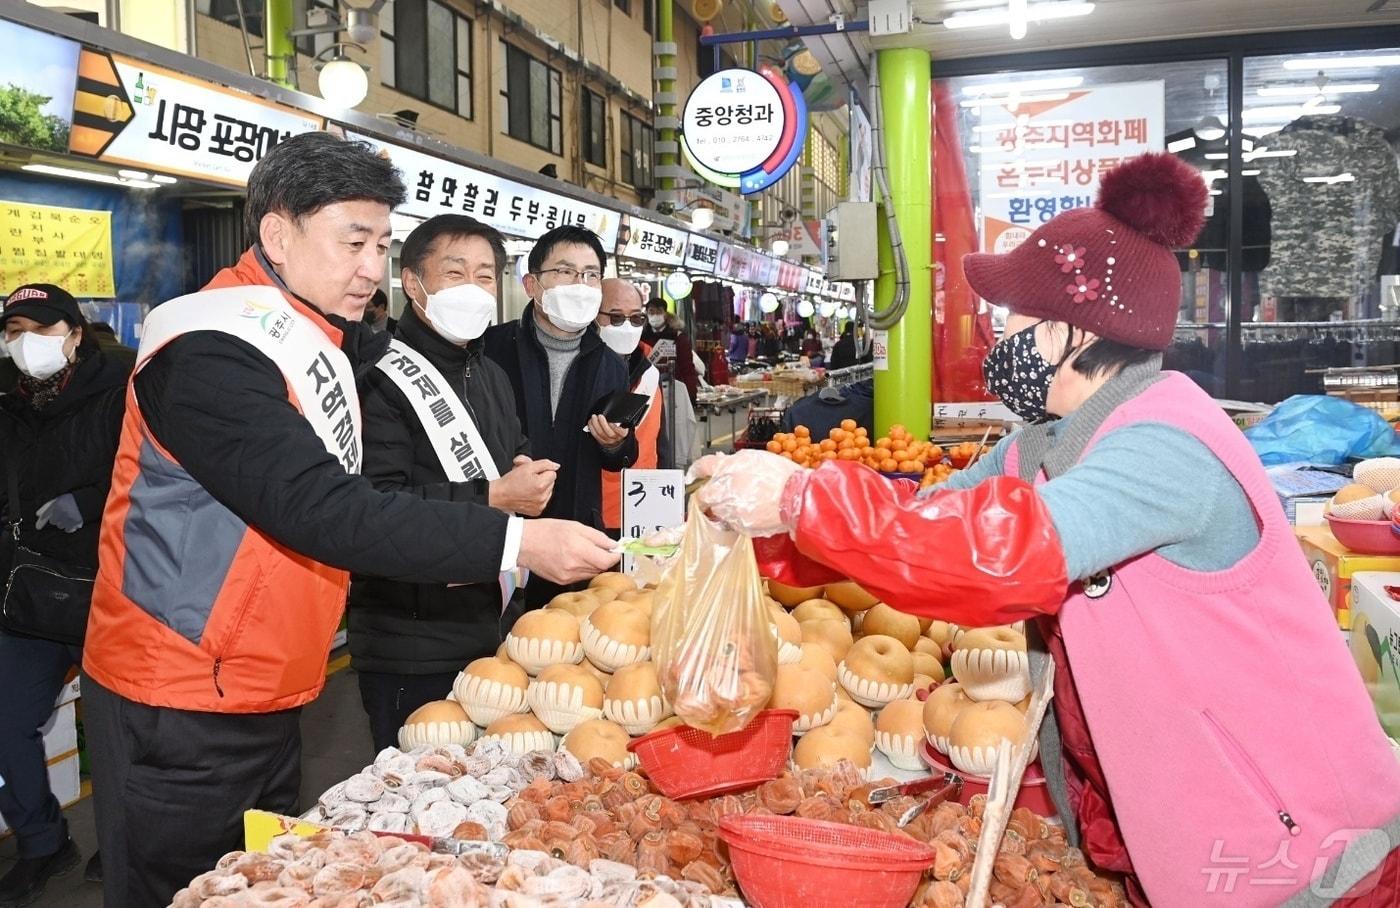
pixel 652 500
pixel 880 350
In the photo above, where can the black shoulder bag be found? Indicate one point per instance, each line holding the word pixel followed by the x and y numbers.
pixel 44 597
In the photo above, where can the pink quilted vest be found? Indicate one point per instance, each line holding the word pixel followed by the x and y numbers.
pixel 1239 745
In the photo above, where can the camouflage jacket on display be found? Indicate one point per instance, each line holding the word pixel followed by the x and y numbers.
pixel 1327 236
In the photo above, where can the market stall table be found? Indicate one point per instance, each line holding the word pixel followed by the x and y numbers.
pixel 710 405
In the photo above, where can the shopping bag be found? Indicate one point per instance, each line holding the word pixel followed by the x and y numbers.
pixel 1312 428
pixel 712 640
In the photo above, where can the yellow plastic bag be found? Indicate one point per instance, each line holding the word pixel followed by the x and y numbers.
pixel 712 638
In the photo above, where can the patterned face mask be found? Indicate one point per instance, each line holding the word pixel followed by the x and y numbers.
pixel 1016 373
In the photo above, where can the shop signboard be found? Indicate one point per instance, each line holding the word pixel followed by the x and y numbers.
pixel 133 113
pixel 812 282
pixel 37 74
pixel 438 186
pixel 701 255
pixel 744 129
pixel 70 247
pixel 648 241
pixel 1042 157
pixel 801 238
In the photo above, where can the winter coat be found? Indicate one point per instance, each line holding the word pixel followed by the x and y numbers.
pixel 66 447
pixel 595 374
pixel 424 628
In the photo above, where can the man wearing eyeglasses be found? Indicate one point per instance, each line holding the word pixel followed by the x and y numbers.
pixel 563 374
pixel 620 326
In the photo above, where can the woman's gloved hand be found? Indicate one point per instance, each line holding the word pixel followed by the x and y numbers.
pixel 62 512
pixel 746 490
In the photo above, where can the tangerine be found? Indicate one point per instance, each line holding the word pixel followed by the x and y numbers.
pixel 848 425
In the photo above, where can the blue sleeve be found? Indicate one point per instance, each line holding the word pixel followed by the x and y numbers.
pixel 1150 488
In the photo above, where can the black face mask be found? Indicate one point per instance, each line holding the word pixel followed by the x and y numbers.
pixel 1016 373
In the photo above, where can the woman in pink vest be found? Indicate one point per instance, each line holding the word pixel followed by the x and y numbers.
pixel 1211 739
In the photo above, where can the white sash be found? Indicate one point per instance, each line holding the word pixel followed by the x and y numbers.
pixel 455 439
pixel 318 372
pixel 451 431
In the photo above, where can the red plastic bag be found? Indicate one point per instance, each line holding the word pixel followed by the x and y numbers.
pixel 711 638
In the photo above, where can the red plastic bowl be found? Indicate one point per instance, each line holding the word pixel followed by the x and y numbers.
pixel 790 862
pixel 1366 537
pixel 685 762
pixel 1034 795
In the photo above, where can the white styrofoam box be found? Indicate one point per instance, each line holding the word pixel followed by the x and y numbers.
pixel 1375 642
pixel 61 731
pixel 63 782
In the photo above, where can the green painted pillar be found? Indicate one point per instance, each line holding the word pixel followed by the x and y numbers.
pixel 666 34
pixel 278 20
pixel 902 390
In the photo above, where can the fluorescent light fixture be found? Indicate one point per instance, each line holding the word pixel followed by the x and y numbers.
pixel 1307 91
pixel 1035 12
pixel 1217 192
pixel 1249 173
pixel 1267 153
pixel 1210 176
pixel 1057 83
pixel 1328 181
pixel 1013 100
pixel 1016 12
pixel 1215 155
pixel 134 174
pixel 1347 62
pixel 1286 113
pixel 1181 145
pixel 89 175
pixel 163 179
pixel 1260 132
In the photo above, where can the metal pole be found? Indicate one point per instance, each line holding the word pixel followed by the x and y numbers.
pixel 278 18
pixel 666 63
pixel 903 390
pixel 1234 259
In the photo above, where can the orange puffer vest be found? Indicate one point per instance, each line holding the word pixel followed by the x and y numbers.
pixel 255 620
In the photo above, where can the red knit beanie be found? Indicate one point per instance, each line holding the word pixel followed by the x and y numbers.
pixel 1108 269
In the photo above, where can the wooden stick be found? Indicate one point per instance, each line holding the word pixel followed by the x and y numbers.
pixel 981 446
pixel 1003 787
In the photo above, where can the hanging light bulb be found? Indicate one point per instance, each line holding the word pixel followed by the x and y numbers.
pixel 343 81
pixel 780 247
pixel 805 309
pixel 702 218
pixel 768 303
pixel 827 309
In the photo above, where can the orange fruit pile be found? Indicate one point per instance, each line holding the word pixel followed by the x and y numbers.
pixel 962 454
pixel 897 453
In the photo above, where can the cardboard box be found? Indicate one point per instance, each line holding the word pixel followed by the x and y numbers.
pixel 1375 643
pixel 1334 565
pixel 63 781
pixel 61 731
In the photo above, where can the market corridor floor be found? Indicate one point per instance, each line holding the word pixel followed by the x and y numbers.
pixel 335 745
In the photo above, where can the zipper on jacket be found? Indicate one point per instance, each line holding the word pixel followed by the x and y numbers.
pixel 1251 769
pixel 218 664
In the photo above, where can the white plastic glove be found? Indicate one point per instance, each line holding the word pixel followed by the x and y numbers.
pixel 62 512
pixel 745 490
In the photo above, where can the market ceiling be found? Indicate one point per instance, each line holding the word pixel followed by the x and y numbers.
pixel 1122 21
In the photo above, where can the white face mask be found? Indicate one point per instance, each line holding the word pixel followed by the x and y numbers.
pixel 623 339
pixel 657 322
pixel 572 306
pixel 38 355
pixel 461 313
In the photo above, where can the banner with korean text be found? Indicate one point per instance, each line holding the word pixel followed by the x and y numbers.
pixel 1042 157
pixel 70 247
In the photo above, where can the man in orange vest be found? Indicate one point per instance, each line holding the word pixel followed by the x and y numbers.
pixel 620 324
pixel 236 513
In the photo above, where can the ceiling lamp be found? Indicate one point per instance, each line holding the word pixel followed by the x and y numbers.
pixel 768 303
pixel 1033 12
pixel 780 247
pixel 805 309
pixel 1347 62
pixel 1308 91
pixel 679 285
pixel 343 81
pixel 827 309
pixel 701 218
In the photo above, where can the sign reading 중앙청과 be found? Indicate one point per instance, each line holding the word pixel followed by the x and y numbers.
pixel 1042 158
pixel 743 128
pixel 438 186
pixel 70 247
pixel 129 112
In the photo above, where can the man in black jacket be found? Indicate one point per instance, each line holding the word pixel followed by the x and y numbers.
pixel 409 640
pixel 562 374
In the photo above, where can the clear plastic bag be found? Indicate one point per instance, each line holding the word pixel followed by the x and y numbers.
pixel 714 649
